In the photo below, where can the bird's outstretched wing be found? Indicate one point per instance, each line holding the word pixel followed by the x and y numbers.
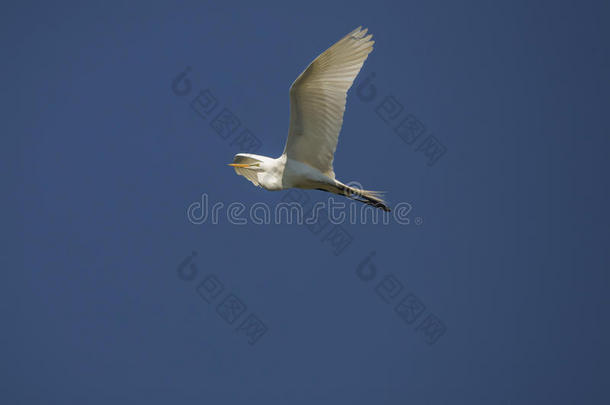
pixel 317 101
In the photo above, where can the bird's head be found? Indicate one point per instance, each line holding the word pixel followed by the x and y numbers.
pixel 248 161
pixel 252 167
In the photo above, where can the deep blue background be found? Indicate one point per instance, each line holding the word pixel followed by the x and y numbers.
pixel 103 159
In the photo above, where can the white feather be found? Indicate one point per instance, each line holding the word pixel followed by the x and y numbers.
pixel 317 101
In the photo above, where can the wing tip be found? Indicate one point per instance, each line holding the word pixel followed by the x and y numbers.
pixel 359 33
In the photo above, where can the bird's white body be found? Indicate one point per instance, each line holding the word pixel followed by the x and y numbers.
pixel 317 104
pixel 282 173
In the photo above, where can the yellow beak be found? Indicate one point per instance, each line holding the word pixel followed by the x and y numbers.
pixel 239 165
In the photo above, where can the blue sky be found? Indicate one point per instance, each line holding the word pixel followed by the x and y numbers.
pixel 104 301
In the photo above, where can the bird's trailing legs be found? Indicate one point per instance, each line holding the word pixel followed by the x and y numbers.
pixel 368 197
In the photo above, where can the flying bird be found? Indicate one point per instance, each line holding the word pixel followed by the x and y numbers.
pixel 317 104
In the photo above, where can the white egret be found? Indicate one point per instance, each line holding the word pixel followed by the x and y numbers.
pixel 317 103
